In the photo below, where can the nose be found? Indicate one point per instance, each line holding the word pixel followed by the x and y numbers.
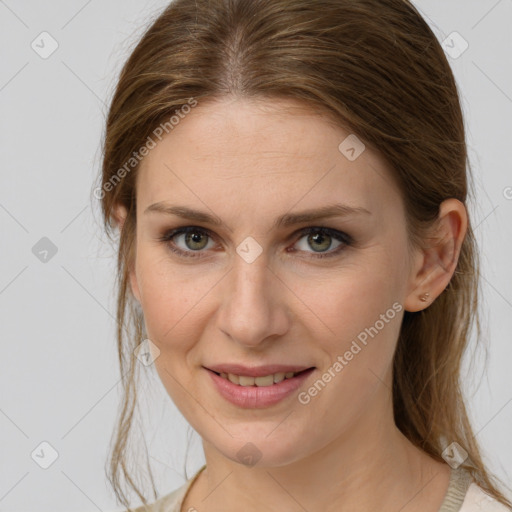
pixel 253 306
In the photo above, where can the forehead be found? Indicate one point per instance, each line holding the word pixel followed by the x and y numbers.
pixel 242 154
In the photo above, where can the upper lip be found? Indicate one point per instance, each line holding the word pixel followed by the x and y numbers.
pixel 256 371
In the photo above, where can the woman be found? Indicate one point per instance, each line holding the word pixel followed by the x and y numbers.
pixel 289 181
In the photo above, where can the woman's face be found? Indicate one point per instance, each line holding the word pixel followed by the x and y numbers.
pixel 258 289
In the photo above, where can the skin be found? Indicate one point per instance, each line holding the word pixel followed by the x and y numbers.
pixel 249 162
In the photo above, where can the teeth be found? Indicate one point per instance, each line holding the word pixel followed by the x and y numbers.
pixel 267 380
pixel 278 377
pixel 234 378
pixel 245 381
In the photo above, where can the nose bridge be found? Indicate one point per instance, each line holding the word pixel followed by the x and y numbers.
pixel 252 307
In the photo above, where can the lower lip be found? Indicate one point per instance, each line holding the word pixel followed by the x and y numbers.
pixel 254 397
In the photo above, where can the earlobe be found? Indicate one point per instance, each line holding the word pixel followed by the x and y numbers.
pixel 436 263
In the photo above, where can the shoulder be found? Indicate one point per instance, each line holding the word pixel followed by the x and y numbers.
pixel 477 500
pixel 171 502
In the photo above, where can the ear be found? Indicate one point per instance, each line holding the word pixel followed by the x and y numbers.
pixel 119 214
pixel 434 264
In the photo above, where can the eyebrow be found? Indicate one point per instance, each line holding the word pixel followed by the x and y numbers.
pixel 288 219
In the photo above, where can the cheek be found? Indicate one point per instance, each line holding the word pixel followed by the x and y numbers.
pixel 354 297
pixel 172 297
pixel 362 307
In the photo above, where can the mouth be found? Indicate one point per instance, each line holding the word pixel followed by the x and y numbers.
pixel 262 381
pixel 259 392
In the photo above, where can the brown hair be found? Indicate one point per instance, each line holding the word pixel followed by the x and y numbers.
pixel 375 68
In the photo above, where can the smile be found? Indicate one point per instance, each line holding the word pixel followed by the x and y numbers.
pixel 267 380
pixel 257 392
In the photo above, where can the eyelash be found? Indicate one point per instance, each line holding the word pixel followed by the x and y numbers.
pixel 338 235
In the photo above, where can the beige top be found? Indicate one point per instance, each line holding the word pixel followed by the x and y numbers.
pixel 463 495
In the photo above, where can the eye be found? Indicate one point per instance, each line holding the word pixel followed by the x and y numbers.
pixel 321 239
pixel 193 240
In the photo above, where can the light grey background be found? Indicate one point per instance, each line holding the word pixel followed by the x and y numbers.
pixel 58 371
